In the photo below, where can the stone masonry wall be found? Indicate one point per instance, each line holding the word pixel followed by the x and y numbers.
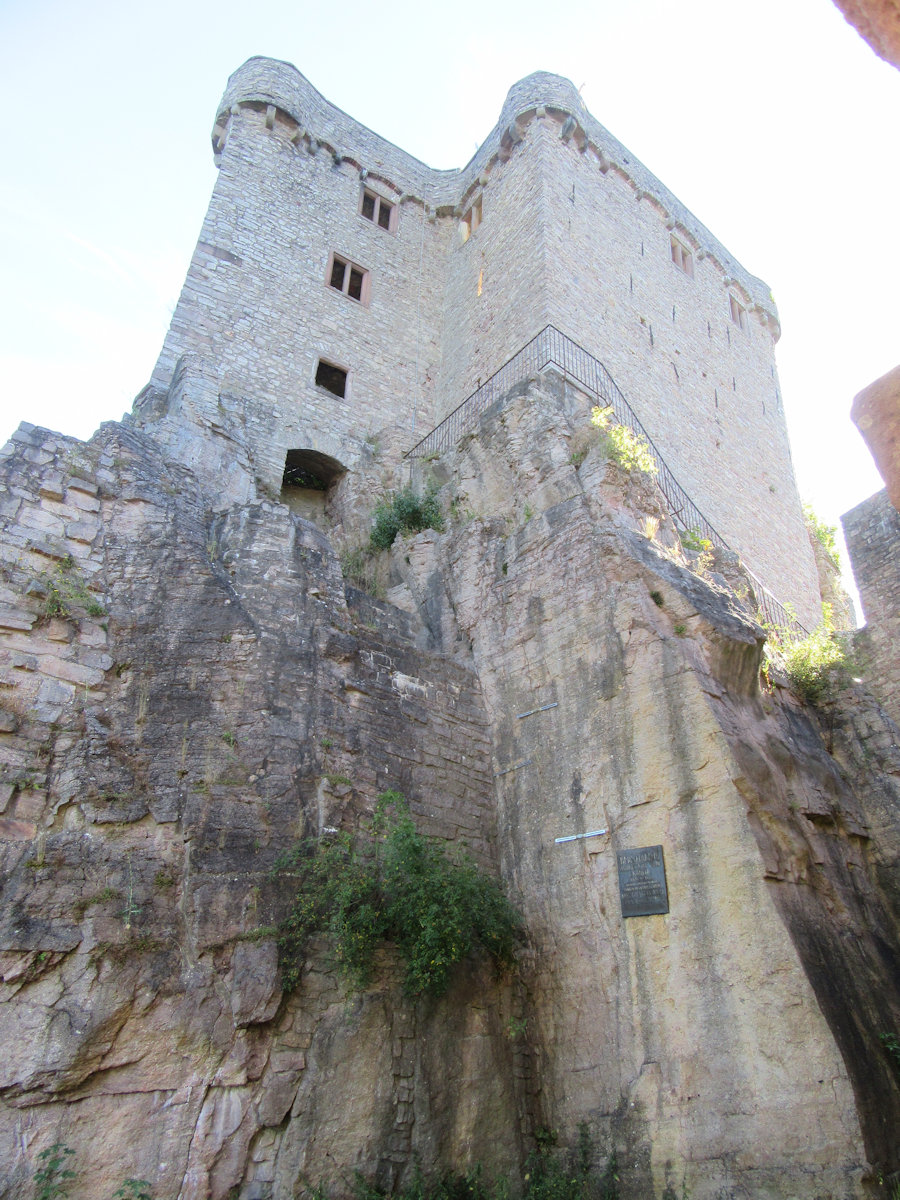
pixel 257 304
pixel 575 231
pixel 704 387
pixel 872 531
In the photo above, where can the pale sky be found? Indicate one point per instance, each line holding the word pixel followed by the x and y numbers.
pixel 773 122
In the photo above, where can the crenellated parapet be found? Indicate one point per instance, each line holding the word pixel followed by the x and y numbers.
pixel 277 90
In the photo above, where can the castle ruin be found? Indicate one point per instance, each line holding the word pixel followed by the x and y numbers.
pixel 191 683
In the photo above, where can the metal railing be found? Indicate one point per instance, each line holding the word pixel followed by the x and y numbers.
pixel 551 348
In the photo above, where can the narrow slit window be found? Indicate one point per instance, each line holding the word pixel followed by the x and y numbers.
pixel 333 379
pixel 682 257
pixel 738 312
pixel 471 220
pixel 377 210
pixel 346 277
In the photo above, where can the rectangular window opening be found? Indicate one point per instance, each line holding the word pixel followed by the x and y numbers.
pixel 682 257
pixel 377 210
pixel 345 277
pixel 333 379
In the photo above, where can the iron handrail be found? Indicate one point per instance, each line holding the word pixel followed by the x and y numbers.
pixel 552 348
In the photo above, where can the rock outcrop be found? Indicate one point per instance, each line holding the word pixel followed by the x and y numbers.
pixel 189 686
pixel 876 414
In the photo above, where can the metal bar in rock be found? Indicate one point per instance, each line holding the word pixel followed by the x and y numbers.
pixel 577 837
pixel 532 711
pixel 515 766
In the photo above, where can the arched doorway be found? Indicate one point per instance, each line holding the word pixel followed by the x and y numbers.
pixel 308 478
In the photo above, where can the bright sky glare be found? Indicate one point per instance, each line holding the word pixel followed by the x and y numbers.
pixel 773 122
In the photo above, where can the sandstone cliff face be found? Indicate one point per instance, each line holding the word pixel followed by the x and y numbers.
pixel 160 754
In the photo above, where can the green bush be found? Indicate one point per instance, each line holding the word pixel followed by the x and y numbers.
pixel 825 535
pixel 359 566
pixel 626 448
pixel 393 885
pixel 133 1189
pixel 693 539
pixel 53 1178
pixel 891 1044
pixel 813 662
pixel 405 512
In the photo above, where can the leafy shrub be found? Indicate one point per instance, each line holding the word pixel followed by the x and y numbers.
pixel 53 1178
pixel 472 1185
pixel 133 1189
pixel 693 539
pixel 825 535
pixel 812 662
pixel 394 885
pixel 626 448
pixel 891 1044
pixel 405 512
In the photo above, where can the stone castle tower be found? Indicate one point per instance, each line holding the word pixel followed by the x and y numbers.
pixel 340 288
pixel 191 683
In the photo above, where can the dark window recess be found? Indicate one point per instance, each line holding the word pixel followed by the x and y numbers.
pixel 332 378
pixel 377 210
pixel 300 477
pixel 347 279
pixel 311 470
pixel 355 286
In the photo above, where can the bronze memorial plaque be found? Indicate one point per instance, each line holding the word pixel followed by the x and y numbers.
pixel 642 882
